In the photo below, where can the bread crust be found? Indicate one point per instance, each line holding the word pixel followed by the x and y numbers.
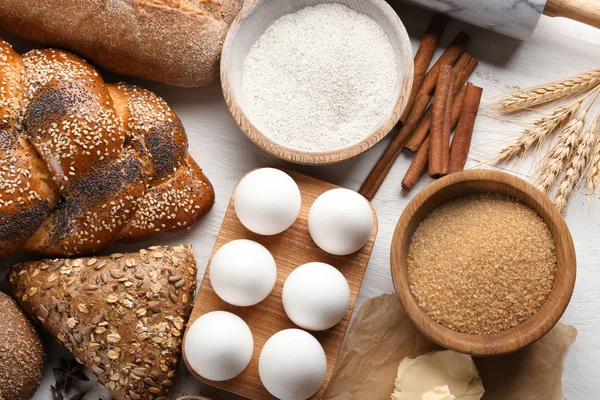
pixel 21 353
pixel 194 198
pixel 27 193
pixel 172 41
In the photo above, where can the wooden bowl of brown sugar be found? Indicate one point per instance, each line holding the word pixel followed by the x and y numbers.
pixel 483 262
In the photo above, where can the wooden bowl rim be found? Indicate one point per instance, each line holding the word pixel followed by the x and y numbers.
pixel 306 157
pixel 512 339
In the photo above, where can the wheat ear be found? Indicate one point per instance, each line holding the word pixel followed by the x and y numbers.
pixel 593 176
pixel 554 162
pixel 576 166
pixel 552 91
pixel 536 135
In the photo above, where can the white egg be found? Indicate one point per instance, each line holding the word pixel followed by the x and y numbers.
pixel 267 201
pixel 292 365
pixel 340 221
pixel 316 296
pixel 243 272
pixel 219 345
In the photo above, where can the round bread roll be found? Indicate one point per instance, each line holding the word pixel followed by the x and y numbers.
pixel 21 353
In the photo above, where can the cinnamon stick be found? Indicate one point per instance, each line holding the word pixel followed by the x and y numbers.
pixel 439 143
pixel 463 70
pixel 454 51
pixel 379 172
pixel 448 129
pixel 413 119
pixel 417 80
pixel 427 47
pixel 417 167
pixel 421 159
pixel 430 42
pixel 461 143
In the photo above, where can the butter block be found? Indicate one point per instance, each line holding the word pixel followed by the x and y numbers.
pixel 417 376
pixel 438 393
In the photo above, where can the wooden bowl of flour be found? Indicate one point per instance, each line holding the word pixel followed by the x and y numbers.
pixel 253 21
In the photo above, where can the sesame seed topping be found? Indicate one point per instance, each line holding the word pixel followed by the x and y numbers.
pixel 81 161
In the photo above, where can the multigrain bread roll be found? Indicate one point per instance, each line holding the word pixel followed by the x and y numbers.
pixel 122 316
pixel 172 41
pixel 21 353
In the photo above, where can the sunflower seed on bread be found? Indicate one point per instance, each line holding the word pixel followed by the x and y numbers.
pixel 121 316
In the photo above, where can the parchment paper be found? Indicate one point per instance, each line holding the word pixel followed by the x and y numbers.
pixel 382 334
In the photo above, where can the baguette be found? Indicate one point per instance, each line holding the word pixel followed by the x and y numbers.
pixel 171 41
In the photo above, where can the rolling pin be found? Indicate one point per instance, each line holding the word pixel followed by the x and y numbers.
pixel 515 18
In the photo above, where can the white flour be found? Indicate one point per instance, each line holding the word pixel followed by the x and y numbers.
pixel 320 79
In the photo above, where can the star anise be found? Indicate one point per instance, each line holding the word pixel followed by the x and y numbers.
pixel 57 395
pixel 68 372
pixel 78 396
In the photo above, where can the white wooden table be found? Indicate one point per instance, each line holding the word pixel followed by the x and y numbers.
pixel 559 48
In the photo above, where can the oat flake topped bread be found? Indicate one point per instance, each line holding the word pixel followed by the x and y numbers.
pixel 84 163
pixel 172 41
pixel 122 316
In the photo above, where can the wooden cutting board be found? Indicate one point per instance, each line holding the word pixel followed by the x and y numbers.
pixel 290 249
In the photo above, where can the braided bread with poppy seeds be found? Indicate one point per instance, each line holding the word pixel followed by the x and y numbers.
pixel 84 163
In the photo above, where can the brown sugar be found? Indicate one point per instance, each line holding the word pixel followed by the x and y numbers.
pixel 482 264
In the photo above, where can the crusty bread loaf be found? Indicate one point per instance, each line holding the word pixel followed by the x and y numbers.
pixel 21 353
pixel 83 163
pixel 122 316
pixel 172 41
